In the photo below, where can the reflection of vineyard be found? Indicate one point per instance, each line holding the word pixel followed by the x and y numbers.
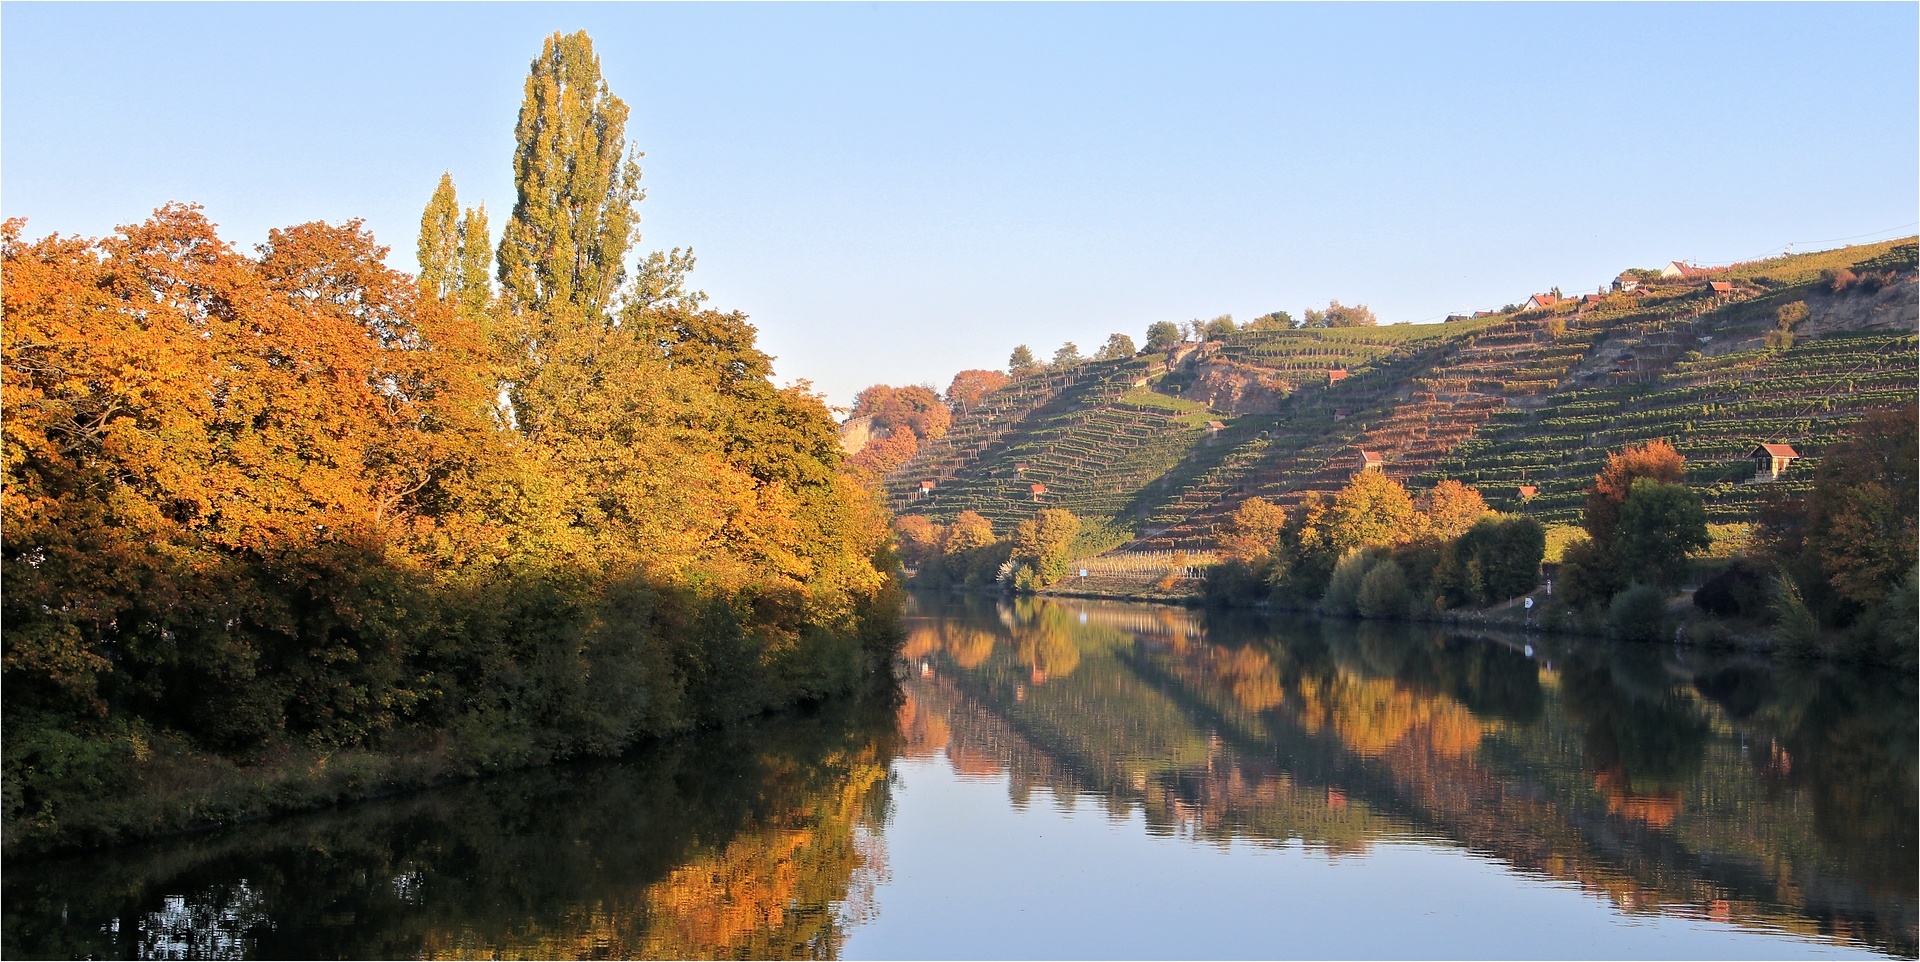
pixel 1615 772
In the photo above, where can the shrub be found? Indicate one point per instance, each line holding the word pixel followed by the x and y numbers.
pixel 1383 592
pixel 1799 631
pixel 1638 614
pixel 1343 589
pixel 1739 591
pixel 1589 574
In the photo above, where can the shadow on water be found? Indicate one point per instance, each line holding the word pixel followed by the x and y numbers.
pixel 1678 782
pixel 760 841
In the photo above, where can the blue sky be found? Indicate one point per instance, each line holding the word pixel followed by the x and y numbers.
pixel 897 191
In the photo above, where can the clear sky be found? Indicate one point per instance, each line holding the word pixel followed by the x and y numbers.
pixel 895 192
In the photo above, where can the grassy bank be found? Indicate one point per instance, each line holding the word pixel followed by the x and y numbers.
pixel 128 782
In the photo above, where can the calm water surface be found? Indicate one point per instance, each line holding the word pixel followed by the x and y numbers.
pixel 1088 779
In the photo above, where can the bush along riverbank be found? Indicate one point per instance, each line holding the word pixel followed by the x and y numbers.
pixel 290 528
pixel 1831 572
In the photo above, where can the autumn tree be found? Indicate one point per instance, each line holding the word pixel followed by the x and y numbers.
pixel 1593 570
pixel 884 455
pixel 1252 531
pixel 970 387
pixel 1119 347
pixel 1340 315
pixel 1162 336
pixel 1375 510
pixel 1021 363
pixel 918 537
pixel 961 547
pixel 1451 508
pixel 913 408
pixel 265 502
pixel 1043 543
pixel 1655 459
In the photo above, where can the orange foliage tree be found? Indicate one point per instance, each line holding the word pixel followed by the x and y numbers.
pixel 971 387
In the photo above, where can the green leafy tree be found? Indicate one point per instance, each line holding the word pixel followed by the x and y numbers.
pixel 439 248
pixel 476 264
pixel 1068 356
pixel 1042 543
pixel 1119 347
pixel 574 217
pixel 1217 328
pixel 1495 559
pixel 1276 321
pixel 454 253
pixel 1021 363
pixel 1162 336
pixel 1659 524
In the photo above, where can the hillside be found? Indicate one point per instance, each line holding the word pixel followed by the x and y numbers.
pixel 1164 444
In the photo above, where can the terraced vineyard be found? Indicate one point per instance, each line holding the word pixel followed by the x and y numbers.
pixel 1167 445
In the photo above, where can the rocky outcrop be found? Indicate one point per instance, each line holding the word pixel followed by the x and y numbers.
pixel 1894 307
pixel 857 433
pixel 1234 389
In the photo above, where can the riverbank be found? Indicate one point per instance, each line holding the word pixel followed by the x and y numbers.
pixel 152 785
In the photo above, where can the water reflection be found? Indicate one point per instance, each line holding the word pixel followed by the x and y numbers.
pixel 1663 783
pixel 760 842
pixel 1671 782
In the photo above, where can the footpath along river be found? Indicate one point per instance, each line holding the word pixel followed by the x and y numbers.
pixel 1067 779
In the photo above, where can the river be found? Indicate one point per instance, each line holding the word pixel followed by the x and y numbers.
pixel 1081 779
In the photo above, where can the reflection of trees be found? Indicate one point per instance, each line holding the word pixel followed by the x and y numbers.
pixel 1846 737
pixel 1043 642
pixel 1642 731
pixel 756 842
pixel 1372 715
pixel 1708 783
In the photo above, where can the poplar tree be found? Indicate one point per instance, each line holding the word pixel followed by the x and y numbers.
pixel 476 262
pixel 565 245
pixel 454 253
pixel 439 251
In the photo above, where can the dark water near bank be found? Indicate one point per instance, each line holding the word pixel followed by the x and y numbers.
pixel 1088 779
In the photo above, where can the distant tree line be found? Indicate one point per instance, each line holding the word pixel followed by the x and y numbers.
pixel 967 553
pixel 1375 550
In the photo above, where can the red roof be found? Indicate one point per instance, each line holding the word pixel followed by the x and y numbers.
pixel 1369 457
pixel 926 485
pixel 1720 287
pixel 1777 450
pixel 1039 489
pixel 1335 374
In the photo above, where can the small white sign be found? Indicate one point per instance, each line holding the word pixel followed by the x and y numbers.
pixel 1529 604
pixel 1083 572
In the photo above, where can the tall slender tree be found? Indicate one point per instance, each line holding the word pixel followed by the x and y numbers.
pixel 439 251
pixel 454 253
pixel 476 263
pixel 564 248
